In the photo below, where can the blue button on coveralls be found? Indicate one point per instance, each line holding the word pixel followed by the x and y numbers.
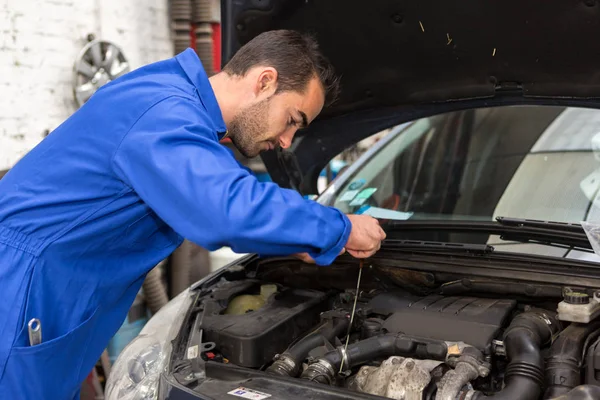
pixel 106 196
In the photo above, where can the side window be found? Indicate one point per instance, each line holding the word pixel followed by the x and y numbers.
pixel 346 158
pixel 402 173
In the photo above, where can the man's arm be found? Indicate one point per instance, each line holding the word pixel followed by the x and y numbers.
pixel 172 159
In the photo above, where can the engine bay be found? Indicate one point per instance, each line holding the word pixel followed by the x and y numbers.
pixel 404 341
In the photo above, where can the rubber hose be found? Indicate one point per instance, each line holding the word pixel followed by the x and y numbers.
pixel 288 364
pixel 154 289
pixel 201 16
pixel 181 16
pixel 181 10
pixel 327 332
pixel 204 47
pixel 200 263
pixel 466 370
pixel 375 347
pixel 583 392
pixel 188 264
pixel 201 11
pixel 563 366
pixel 525 370
pixel 181 265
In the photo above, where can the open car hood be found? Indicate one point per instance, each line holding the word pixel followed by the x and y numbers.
pixel 401 60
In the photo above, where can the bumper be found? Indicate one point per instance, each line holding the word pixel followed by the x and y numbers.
pixel 221 379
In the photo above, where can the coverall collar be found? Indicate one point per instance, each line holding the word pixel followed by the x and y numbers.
pixel 193 68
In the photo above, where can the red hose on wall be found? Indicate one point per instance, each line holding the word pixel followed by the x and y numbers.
pixel 216 44
pixel 216 27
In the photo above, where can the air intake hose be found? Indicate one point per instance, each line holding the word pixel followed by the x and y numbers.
pixel 524 378
pixel 288 364
pixel 583 392
pixel 325 368
pixel 563 367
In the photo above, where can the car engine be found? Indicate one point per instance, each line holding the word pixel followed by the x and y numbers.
pixel 400 344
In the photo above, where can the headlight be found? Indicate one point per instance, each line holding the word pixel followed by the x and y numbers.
pixel 136 372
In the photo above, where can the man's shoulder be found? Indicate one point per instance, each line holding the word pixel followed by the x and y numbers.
pixel 153 88
pixel 151 96
pixel 149 84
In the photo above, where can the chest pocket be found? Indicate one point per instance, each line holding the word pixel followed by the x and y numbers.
pixel 150 232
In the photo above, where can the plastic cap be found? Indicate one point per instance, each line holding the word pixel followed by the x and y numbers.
pixel 576 298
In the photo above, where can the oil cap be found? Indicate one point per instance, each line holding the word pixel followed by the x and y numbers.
pixel 573 297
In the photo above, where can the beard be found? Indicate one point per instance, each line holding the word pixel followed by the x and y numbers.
pixel 248 127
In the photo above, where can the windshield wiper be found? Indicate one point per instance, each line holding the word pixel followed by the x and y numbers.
pixel 394 244
pixel 509 229
pixel 534 223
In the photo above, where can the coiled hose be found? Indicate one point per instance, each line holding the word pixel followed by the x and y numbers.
pixel 154 289
pixel 181 18
pixel 180 268
pixel 188 264
pixel 202 18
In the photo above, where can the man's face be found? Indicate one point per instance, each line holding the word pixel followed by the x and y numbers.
pixel 272 121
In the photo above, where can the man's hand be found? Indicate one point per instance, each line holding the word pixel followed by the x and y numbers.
pixel 366 236
pixel 308 259
pixel 364 241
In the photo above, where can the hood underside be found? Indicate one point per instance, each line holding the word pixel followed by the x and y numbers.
pixel 391 53
pixel 400 60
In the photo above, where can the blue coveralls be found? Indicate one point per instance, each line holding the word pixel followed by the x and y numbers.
pixel 109 194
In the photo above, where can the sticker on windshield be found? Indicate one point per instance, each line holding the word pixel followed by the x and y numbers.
pixel 383 213
pixel 363 196
pixel 248 393
pixel 349 195
pixel 357 184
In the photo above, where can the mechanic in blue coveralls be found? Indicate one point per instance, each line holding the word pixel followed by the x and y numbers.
pixel 115 189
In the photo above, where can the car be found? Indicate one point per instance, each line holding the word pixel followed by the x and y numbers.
pixel 487 185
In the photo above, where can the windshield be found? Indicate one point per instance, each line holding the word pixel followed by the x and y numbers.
pixel 531 162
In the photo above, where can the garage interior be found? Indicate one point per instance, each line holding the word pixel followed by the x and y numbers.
pixel 54 56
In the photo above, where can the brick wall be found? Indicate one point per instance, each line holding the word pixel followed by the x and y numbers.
pixel 39 41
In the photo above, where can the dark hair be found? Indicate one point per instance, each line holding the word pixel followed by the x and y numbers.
pixel 295 56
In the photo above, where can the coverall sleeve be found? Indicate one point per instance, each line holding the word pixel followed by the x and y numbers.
pixel 172 159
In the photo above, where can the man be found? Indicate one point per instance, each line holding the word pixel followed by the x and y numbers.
pixel 115 189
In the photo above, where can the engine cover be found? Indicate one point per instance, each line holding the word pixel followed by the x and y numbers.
pixel 475 321
pixel 254 338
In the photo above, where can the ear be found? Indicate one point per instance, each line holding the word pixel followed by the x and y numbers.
pixel 266 83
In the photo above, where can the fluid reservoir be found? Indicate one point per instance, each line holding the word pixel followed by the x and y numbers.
pixel 250 302
pixel 579 306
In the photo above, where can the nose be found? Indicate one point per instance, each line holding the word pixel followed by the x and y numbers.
pixel 285 140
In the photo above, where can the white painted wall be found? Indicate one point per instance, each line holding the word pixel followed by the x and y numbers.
pixel 39 41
